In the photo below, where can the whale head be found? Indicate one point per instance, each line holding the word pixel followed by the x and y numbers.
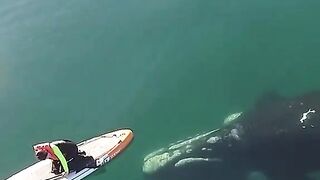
pixel 202 155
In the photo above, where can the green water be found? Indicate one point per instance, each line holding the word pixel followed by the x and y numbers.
pixel 167 69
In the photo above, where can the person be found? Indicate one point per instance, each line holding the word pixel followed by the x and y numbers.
pixel 65 156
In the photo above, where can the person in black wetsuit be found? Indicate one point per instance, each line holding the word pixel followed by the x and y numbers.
pixel 65 156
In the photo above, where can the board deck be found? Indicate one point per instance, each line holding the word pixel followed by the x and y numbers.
pixel 103 148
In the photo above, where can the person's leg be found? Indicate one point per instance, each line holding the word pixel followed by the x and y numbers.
pixel 81 162
pixel 90 162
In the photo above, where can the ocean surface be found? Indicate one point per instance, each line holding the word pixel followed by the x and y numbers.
pixel 166 69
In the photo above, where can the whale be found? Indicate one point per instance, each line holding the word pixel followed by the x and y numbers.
pixel 278 137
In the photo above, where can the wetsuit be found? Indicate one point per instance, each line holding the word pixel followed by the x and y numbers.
pixel 66 156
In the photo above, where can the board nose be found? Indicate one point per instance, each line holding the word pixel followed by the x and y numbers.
pixel 129 134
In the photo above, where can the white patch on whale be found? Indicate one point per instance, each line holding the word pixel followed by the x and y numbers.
pixel 179 141
pixel 231 118
pixel 154 163
pixel 305 115
pixel 213 140
pixel 188 151
pixel 176 146
pixel 235 134
pixel 153 154
pixel 186 161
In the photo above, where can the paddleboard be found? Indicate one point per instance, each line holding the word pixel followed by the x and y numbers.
pixel 102 148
